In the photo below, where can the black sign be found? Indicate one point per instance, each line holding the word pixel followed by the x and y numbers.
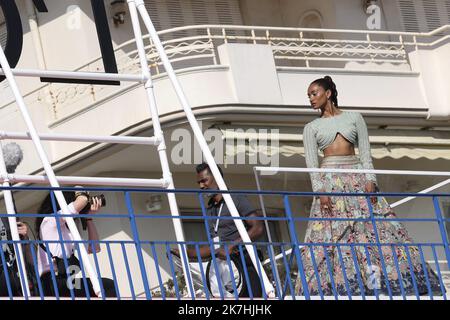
pixel 14 40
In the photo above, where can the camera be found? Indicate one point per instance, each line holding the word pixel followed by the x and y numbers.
pixel 86 209
pixel 91 201
pixel 99 196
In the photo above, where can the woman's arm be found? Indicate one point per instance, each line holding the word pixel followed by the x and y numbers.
pixel 80 202
pixel 91 228
pixel 364 147
pixel 312 157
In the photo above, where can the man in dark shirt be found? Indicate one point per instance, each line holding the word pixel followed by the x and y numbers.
pixel 225 230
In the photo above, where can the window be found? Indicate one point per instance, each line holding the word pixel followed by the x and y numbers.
pixel 167 14
pixel 311 19
pixel 194 229
pixel 424 15
pixel 3 33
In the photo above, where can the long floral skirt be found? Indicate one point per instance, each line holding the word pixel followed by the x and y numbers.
pixel 353 265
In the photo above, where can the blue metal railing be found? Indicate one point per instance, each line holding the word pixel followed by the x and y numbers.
pixel 151 271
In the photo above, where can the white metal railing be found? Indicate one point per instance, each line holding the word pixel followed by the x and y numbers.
pixel 272 170
pixel 196 46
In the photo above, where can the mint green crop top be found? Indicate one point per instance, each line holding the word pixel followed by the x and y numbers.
pixel 321 132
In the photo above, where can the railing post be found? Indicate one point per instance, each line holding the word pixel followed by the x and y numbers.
pixel 61 239
pixel 288 281
pixel 291 223
pixel 438 269
pixel 405 54
pixel 230 267
pixel 158 272
pixel 224 34
pixel 269 236
pixel 5 272
pixel 137 243
pixel 113 269
pixel 202 272
pixel 172 270
pixel 306 54
pixel 380 249
pixel 372 56
pixel 211 245
pixel 246 276
pixel 441 223
pixel 269 42
pixel 211 42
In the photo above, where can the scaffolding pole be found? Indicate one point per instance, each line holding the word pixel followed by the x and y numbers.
pixel 157 131
pixel 140 5
pixel 13 227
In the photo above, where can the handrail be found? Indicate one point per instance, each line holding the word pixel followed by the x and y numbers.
pixel 432 188
pixel 264 28
pixel 366 171
pixel 199 42
pixel 362 171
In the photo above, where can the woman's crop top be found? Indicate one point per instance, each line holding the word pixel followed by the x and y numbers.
pixel 321 132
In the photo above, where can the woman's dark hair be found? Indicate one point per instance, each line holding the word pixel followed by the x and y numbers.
pixel 47 206
pixel 327 84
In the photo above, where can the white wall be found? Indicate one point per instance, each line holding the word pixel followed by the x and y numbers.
pixel 434 65
pixel 63 34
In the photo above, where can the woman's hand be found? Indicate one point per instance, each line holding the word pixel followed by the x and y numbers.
pixel 325 204
pixel 96 205
pixel 370 187
pixel 22 228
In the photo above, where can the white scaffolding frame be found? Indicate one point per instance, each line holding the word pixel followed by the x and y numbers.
pixel 136 8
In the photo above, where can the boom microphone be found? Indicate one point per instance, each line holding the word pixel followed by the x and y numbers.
pixel 13 155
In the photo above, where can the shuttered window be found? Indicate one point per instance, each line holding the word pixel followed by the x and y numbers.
pixel 424 15
pixel 3 33
pixel 168 14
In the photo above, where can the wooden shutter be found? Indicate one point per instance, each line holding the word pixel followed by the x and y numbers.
pixel 424 15
pixel 168 14
pixel 3 33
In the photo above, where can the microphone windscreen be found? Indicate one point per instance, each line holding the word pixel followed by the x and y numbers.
pixel 13 155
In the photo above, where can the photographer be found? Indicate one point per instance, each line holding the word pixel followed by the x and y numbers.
pixel 78 203
pixel 10 258
pixel 225 230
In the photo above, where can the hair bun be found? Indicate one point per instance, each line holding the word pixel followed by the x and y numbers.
pixel 328 78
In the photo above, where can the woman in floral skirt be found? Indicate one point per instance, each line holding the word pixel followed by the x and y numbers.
pixel 344 265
